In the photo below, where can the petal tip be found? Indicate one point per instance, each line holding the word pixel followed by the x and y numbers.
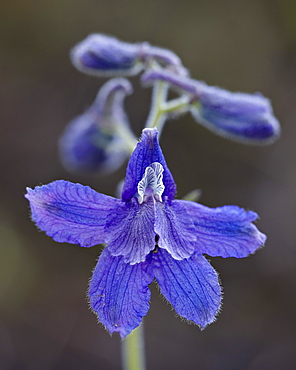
pixel 29 191
pixel 150 133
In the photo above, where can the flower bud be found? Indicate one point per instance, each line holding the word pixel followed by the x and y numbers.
pixel 103 55
pixel 92 141
pixel 238 116
pixel 243 117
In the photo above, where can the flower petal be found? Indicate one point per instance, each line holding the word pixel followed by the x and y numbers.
pixel 70 213
pixel 224 231
pixel 130 231
pixel 119 293
pixel 190 285
pixel 175 229
pixel 147 152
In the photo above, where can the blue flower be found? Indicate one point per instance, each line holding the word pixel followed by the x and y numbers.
pixel 92 141
pixel 102 55
pixel 239 116
pixel 149 235
pixel 247 118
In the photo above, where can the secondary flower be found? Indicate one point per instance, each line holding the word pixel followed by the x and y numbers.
pixel 97 139
pixel 149 235
pixel 238 116
pixel 106 56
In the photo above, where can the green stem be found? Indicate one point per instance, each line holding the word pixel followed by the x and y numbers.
pixel 133 356
pixel 156 117
pixel 177 105
pixel 160 107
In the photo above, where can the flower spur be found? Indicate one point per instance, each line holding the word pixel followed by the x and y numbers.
pixel 148 235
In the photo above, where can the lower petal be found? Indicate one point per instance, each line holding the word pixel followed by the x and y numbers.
pixel 190 285
pixel 119 293
pixel 175 230
pixel 130 231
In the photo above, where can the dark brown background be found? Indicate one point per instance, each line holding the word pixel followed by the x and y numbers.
pixel 239 45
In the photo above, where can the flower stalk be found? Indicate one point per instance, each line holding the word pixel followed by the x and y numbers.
pixel 133 350
pixel 157 116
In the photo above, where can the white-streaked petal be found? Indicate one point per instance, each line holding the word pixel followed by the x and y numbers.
pixel 151 182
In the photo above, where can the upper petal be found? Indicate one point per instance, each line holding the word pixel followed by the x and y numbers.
pixel 190 285
pixel 147 152
pixel 71 213
pixel 130 231
pixel 175 229
pixel 224 231
pixel 119 293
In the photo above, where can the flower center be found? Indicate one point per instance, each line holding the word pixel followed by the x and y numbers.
pixel 151 183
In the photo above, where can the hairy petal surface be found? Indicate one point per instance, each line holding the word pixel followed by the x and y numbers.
pixel 119 293
pixel 71 213
pixel 147 152
pixel 224 231
pixel 130 231
pixel 175 229
pixel 190 285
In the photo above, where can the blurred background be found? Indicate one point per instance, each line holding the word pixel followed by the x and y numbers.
pixel 240 45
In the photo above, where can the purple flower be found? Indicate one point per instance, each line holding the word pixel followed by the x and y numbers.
pixel 103 55
pixel 149 235
pixel 91 142
pixel 238 116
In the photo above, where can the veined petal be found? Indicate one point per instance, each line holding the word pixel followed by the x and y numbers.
pixel 190 285
pixel 147 152
pixel 224 231
pixel 119 293
pixel 175 230
pixel 71 213
pixel 130 231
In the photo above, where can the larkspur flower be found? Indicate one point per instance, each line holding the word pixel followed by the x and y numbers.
pixel 106 56
pixel 243 117
pixel 94 140
pixel 148 235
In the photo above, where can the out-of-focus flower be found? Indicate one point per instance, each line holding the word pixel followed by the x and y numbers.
pixel 106 56
pixel 149 235
pixel 239 116
pixel 96 140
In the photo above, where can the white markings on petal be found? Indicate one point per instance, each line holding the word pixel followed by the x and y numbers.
pixel 151 183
